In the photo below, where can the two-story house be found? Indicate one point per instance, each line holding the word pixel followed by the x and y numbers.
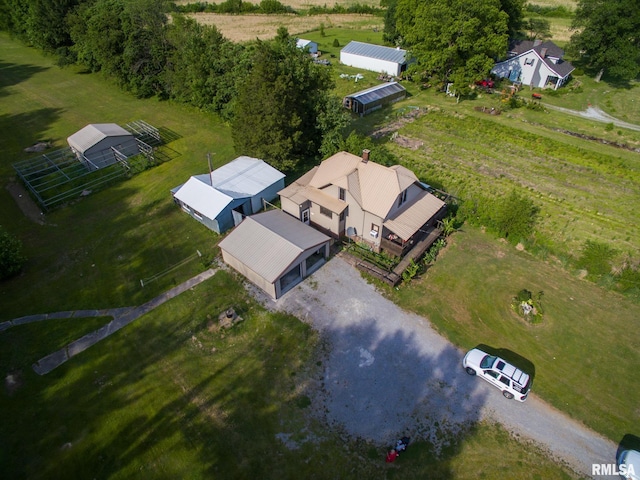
pixel 347 195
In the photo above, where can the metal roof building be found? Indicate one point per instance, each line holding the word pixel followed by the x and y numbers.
pixel 371 99
pixel 375 58
pixel 101 144
pixel 308 44
pixel 221 199
pixel 275 251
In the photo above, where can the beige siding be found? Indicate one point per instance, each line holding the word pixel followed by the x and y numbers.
pixel 249 274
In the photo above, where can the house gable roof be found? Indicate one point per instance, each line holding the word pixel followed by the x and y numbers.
pixel 269 243
pixel 92 134
pixel 374 186
pixel 378 52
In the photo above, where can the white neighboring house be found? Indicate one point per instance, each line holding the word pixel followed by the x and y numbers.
pixel 535 63
pixel 99 145
pixel 376 58
pixel 222 198
pixel 275 251
pixel 312 47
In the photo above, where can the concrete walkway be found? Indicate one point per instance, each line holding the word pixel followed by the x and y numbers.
pixel 121 318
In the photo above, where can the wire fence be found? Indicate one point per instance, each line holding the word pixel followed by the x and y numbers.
pixel 146 281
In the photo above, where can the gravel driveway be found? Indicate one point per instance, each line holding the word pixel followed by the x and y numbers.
pixel 388 373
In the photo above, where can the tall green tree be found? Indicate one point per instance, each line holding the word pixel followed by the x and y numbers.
pixel 608 37
pixel 515 11
pixel 123 38
pixel 453 40
pixel 203 67
pixel 47 26
pixel 279 103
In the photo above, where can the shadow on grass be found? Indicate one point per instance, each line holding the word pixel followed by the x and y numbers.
pixel 14 73
pixel 170 397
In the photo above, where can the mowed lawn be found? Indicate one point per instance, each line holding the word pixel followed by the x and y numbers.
pixel 584 352
pixel 94 253
pixel 156 397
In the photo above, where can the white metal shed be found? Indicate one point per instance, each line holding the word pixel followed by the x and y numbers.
pixel 376 58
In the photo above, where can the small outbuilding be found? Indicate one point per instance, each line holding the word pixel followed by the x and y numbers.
pixel 275 251
pixel 222 198
pixel 374 98
pixel 376 58
pixel 99 145
pixel 311 47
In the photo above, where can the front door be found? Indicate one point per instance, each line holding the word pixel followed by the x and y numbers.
pixel 305 216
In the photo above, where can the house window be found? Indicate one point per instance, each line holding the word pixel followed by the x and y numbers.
pixel 375 230
pixel 342 215
pixel 529 61
pixel 197 214
pixel 326 212
pixel 341 193
pixel 402 197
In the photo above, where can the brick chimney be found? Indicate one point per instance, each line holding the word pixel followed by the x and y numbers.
pixel 365 155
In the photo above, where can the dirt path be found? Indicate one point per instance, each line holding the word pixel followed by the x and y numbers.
pixel 594 113
pixel 388 373
pixel 25 203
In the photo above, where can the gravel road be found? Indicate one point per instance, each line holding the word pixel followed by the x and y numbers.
pixel 389 373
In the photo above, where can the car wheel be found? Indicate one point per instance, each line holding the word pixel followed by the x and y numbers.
pixel 507 395
pixel 470 371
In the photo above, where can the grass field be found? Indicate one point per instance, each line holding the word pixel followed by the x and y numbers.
pixel 156 398
pixel 586 335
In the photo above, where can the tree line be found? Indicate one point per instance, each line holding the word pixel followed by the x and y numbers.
pixel 277 100
pixel 458 41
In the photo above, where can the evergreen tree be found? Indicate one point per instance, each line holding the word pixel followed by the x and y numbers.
pixel 279 103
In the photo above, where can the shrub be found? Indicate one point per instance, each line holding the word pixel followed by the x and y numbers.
pixel 336 43
pixel 515 217
pixel 596 259
pixel 11 258
pixel 528 306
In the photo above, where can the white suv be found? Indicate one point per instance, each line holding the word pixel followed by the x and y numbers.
pixel 513 382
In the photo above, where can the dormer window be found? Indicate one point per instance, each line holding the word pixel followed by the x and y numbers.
pixel 529 61
pixel 341 193
pixel 402 198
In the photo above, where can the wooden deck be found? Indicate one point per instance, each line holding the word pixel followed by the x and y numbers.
pixel 394 277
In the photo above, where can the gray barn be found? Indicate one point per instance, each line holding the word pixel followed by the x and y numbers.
pixel 102 144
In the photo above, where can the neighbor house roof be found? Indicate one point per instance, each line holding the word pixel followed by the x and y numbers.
pixel 379 52
pixel 378 92
pixel 269 243
pixel 90 135
pixel 549 52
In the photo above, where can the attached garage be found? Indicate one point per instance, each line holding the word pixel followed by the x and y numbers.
pixel 376 58
pixel 102 144
pixel 275 251
pixel 371 99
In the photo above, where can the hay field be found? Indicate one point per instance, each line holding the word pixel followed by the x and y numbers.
pixel 301 4
pixel 243 28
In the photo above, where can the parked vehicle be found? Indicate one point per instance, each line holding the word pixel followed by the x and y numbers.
pixel 629 464
pixel 513 382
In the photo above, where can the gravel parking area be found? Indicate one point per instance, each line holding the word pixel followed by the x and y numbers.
pixel 387 373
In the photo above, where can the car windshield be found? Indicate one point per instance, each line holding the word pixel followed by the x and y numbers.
pixel 487 361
